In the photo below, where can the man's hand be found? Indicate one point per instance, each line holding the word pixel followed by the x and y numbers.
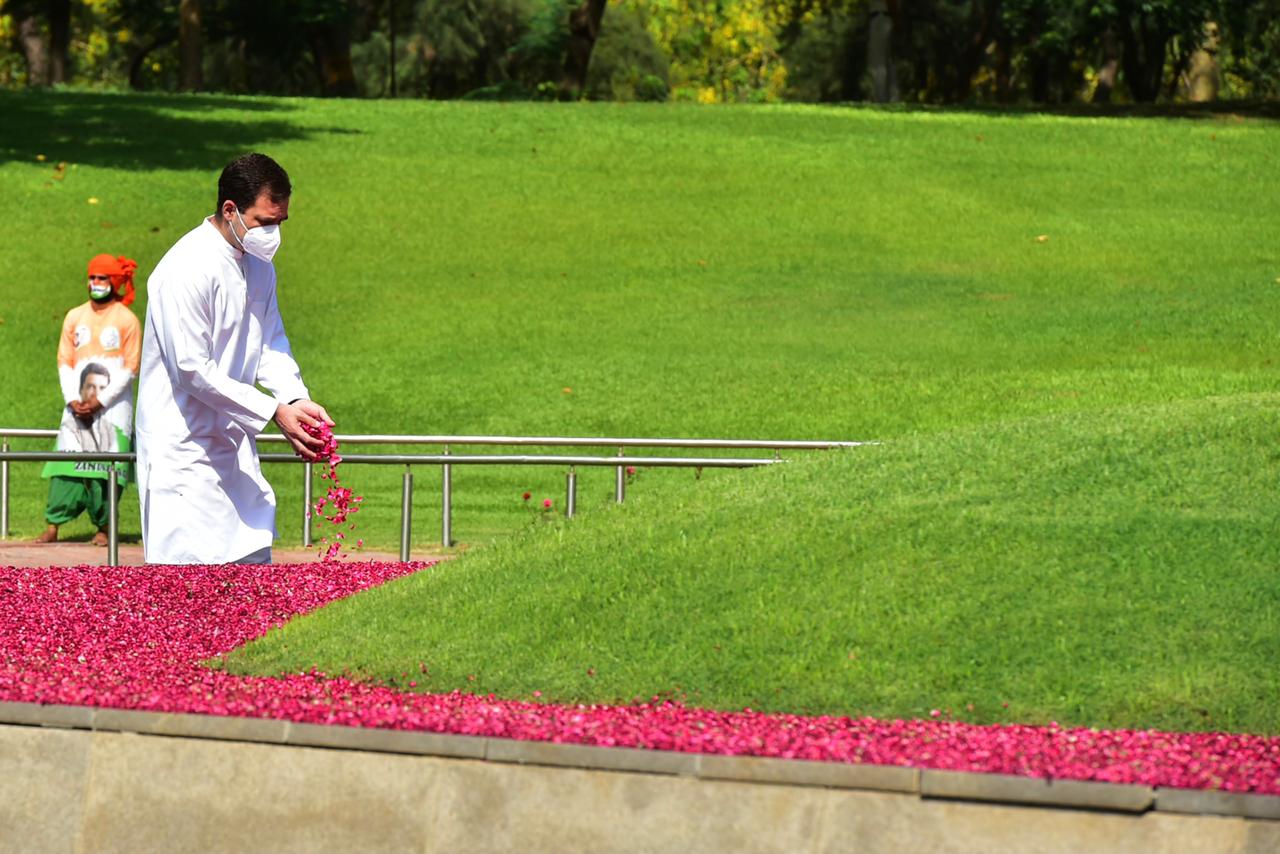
pixel 315 410
pixel 290 418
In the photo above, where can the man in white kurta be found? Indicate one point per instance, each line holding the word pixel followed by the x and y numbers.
pixel 213 331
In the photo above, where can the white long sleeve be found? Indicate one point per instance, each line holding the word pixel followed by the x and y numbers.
pixel 278 371
pixel 185 310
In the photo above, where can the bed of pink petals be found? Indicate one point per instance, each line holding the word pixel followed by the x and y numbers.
pixel 134 637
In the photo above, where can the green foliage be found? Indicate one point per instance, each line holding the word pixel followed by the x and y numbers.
pixel 627 65
pixel 951 51
pixel 267 47
pixel 456 47
pixel 945 51
pixel 1252 49
pixel 827 59
pixel 722 51
pixel 371 63
pixel 480 50
pixel 539 54
pixel 651 88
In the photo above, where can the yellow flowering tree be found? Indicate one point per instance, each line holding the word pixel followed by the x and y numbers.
pixel 721 50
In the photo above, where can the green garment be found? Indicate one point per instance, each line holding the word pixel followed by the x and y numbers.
pixel 71 496
pixel 84 469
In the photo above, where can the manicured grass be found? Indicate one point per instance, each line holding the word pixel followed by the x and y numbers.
pixel 1112 569
pixel 1063 328
pixel 791 272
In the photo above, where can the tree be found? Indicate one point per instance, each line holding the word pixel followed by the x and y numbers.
pixel 941 51
pixel 191 45
pixel 1146 31
pixel 59 12
pixel 152 25
pixel 880 66
pixel 1250 46
pixel 584 29
pixel 722 50
pixel 29 32
pixel 43 34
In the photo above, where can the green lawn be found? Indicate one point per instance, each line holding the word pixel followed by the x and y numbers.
pixel 1062 327
pixel 1104 569
pixel 793 272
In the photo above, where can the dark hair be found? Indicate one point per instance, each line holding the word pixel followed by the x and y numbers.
pixel 93 368
pixel 244 179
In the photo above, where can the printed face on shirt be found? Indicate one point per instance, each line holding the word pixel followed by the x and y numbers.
pixel 93 386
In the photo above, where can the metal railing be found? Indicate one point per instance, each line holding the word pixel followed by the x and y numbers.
pixel 446 460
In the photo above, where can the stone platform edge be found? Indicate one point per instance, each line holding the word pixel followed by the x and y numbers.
pixel 925 783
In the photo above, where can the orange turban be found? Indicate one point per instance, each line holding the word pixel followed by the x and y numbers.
pixel 121 272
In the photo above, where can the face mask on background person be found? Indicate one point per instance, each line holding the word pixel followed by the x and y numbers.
pixel 111 277
pixel 100 287
pixel 260 241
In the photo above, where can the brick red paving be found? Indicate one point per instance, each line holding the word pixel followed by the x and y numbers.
pixel 20 553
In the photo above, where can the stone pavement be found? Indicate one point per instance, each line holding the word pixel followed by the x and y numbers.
pixel 20 553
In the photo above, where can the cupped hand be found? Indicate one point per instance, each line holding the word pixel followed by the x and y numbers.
pixel 291 419
pixel 315 410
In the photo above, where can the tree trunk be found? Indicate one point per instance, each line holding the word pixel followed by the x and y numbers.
pixel 852 64
pixel 59 39
pixel 391 54
pixel 584 29
pixel 972 55
pixel 191 45
pixel 331 46
pixel 1144 49
pixel 884 82
pixel 34 50
pixel 1004 66
pixel 1180 66
pixel 1109 69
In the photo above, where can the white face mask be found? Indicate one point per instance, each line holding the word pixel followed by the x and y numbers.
pixel 262 241
pixel 99 290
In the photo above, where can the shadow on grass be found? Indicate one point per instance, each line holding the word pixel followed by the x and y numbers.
pixel 1215 110
pixel 1221 110
pixel 142 132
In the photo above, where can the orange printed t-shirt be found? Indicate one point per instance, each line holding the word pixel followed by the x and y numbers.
pixel 106 335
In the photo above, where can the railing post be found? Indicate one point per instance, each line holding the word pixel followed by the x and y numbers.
pixel 446 511
pixel 406 513
pixel 4 493
pixel 113 516
pixel 620 481
pixel 306 505
pixel 571 493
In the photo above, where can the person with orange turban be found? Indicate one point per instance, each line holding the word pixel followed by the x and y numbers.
pixel 98 356
pixel 117 271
